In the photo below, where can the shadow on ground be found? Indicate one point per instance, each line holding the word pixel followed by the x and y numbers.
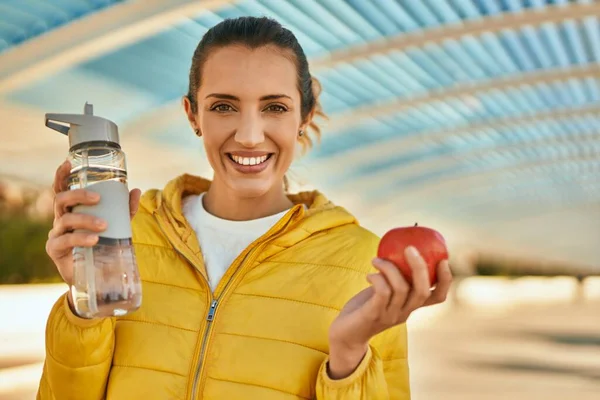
pixel 535 367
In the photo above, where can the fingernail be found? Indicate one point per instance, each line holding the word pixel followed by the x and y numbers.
pixel 100 223
pixel 93 196
pixel 411 251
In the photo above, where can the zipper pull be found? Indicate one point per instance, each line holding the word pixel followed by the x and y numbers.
pixel 211 311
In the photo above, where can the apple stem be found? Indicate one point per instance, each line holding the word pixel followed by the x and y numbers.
pixel 416 223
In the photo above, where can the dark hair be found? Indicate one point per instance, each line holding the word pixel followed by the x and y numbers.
pixel 254 33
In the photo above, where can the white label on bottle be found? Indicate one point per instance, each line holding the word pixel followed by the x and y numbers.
pixel 113 208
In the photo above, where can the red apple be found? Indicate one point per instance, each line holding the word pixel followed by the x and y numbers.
pixel 430 243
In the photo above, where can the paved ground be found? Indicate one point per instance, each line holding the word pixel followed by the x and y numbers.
pixel 526 353
pixel 518 350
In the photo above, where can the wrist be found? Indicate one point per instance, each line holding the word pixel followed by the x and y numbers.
pixel 344 359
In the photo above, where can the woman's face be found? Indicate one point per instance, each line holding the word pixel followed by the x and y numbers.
pixel 249 116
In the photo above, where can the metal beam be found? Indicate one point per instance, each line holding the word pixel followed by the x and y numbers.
pixel 492 192
pixel 465 181
pixel 173 111
pixel 436 35
pixel 534 210
pixel 519 206
pixel 357 115
pixel 584 206
pixel 522 209
pixel 538 197
pixel 414 196
pixel 370 183
pixel 530 17
pixel 500 191
pixel 92 36
pixel 366 154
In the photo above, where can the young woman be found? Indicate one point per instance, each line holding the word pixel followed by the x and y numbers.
pixel 248 292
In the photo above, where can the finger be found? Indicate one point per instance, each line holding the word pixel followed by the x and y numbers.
pixel 421 289
pixel 440 293
pixel 134 201
pixel 71 198
pixel 60 177
pixel 72 221
pixel 400 288
pixel 65 243
pixel 376 306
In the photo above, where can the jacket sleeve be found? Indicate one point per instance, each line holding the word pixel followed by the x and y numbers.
pixel 78 355
pixel 382 375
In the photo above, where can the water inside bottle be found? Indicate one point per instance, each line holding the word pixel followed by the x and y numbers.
pixel 94 175
pixel 111 287
pixel 105 278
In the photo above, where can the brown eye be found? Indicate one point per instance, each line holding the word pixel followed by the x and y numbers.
pixel 276 108
pixel 222 108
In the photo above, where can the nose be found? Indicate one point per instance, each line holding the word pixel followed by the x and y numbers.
pixel 250 133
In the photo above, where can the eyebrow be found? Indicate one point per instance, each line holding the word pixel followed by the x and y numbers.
pixel 223 96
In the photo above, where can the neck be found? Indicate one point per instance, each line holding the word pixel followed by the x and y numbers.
pixel 221 202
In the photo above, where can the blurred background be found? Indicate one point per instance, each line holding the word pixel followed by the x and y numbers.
pixel 479 118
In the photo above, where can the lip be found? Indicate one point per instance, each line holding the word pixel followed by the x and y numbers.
pixel 243 153
pixel 250 169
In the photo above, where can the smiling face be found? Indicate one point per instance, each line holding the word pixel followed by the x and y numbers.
pixel 249 115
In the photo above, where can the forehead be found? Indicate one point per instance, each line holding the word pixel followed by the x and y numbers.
pixel 249 73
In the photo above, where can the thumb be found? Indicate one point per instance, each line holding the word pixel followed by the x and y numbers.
pixel 134 201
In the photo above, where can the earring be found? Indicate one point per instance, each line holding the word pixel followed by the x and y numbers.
pixel 301 133
pixel 197 132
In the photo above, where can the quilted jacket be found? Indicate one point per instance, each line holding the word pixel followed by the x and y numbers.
pixel 261 335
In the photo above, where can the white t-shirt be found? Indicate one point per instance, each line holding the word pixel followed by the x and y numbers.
pixel 222 240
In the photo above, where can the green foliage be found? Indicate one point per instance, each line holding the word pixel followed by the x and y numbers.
pixel 23 257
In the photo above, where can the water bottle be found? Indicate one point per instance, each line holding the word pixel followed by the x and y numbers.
pixel 105 277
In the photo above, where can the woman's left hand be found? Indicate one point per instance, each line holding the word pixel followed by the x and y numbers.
pixel 386 303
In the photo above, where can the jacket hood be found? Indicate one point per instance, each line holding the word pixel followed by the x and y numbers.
pixel 319 215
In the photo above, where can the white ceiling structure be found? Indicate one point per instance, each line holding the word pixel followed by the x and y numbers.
pixel 480 118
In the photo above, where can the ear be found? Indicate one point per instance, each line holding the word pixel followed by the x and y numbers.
pixel 306 123
pixel 187 106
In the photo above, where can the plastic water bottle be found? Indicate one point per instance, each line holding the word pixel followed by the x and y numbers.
pixel 105 277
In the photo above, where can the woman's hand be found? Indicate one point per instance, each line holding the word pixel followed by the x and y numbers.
pixel 62 239
pixel 386 303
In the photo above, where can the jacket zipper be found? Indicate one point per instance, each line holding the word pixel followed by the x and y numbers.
pixel 213 307
pixel 210 318
pixel 213 304
pixel 211 311
pixel 198 378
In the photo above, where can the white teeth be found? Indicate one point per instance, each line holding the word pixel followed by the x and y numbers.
pixel 249 160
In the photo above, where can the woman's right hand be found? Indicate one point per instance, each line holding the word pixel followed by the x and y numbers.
pixel 61 238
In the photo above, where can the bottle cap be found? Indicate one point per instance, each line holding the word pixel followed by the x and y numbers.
pixel 84 128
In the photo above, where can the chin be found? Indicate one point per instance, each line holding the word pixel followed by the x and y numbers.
pixel 249 188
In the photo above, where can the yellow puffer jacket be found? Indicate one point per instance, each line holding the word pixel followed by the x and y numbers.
pixel 261 335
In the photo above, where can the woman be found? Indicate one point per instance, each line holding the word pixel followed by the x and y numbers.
pixel 248 292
